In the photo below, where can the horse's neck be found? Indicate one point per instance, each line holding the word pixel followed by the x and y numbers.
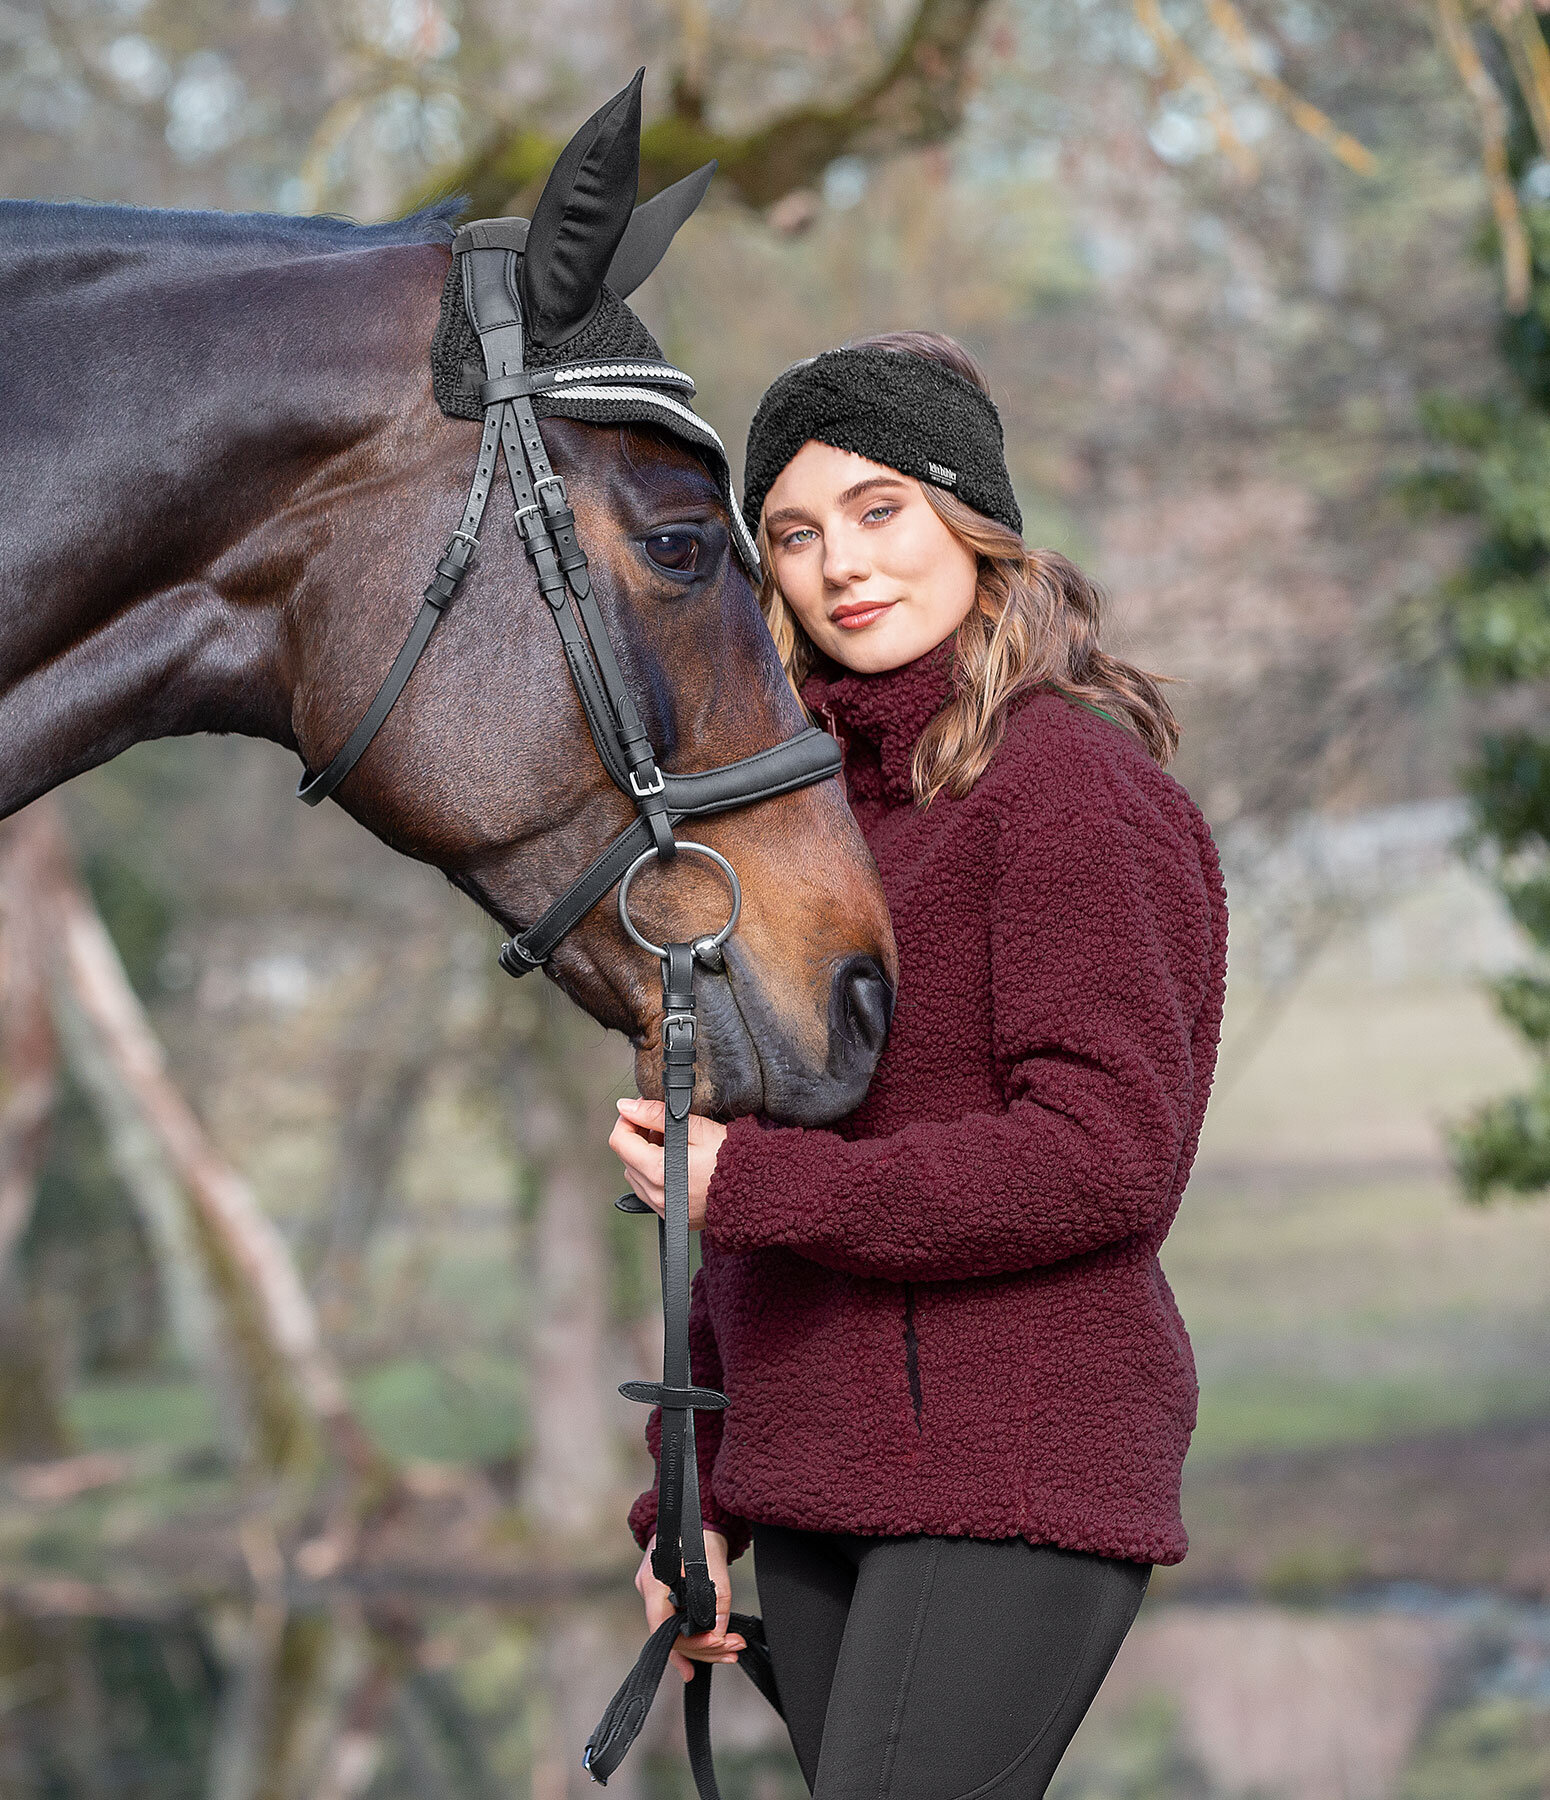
pixel 160 414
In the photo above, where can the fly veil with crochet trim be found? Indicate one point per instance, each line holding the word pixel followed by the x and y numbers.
pixel 613 335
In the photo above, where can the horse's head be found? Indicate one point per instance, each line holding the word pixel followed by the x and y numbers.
pixel 486 768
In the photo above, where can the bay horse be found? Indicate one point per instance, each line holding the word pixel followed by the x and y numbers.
pixel 223 477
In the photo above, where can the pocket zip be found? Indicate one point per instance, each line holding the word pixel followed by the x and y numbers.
pixel 912 1351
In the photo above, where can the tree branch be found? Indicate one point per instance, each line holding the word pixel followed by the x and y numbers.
pixel 915 98
pixel 1493 142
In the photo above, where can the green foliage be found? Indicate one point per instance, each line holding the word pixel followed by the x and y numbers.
pixel 1492 625
pixel 1524 1000
pixel 1501 632
pixel 1529 898
pixel 1509 783
pixel 1504 1145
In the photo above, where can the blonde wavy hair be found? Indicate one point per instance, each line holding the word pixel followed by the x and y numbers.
pixel 1035 624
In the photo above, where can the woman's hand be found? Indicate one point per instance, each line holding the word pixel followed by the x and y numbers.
pixel 637 1141
pixel 716 1645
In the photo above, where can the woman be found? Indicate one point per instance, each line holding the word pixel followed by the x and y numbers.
pixel 960 1391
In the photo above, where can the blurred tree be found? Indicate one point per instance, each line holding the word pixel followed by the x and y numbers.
pixel 31 1420
pixel 1490 624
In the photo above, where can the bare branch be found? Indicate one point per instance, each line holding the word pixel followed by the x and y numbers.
pixel 1302 113
pixel 1518 28
pixel 1493 145
pixel 1186 68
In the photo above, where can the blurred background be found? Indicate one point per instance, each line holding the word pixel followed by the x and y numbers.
pixel 312 1299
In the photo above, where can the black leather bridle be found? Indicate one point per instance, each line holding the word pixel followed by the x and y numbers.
pixel 488 252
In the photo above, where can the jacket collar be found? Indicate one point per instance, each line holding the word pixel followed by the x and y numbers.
pixel 879 718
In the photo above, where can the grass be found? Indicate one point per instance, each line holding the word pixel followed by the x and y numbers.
pixel 462 1409
pixel 1282 1413
pixel 1335 1286
pixel 128 1413
pixel 466 1409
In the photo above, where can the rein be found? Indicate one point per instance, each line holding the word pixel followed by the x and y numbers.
pixel 488 253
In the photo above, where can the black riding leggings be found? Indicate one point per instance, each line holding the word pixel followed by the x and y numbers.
pixel 936 1668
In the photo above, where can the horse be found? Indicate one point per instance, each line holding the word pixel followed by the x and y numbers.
pixel 223 475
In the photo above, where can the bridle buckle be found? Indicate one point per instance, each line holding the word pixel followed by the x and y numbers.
pixel 642 793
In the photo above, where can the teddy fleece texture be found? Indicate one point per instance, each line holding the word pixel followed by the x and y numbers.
pixel 910 412
pixel 945 1314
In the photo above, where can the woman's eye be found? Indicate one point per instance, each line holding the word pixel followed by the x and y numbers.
pixel 675 550
pixel 793 538
pixel 881 507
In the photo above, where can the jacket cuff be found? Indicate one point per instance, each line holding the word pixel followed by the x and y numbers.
pixel 732 1219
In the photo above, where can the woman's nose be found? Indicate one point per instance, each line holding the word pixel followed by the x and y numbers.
pixel 844 560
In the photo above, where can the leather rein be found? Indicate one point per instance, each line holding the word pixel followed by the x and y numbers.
pixel 488 253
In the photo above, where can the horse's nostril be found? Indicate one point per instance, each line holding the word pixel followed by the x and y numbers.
pixel 865 1006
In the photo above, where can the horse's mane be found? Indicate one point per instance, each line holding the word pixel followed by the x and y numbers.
pixel 85 224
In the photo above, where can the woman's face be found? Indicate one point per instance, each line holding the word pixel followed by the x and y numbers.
pixel 873 575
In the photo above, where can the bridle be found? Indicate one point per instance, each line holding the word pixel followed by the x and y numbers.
pixel 488 253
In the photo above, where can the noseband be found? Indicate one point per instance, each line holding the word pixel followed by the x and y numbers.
pixel 488 253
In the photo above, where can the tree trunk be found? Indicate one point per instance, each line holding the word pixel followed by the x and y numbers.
pixel 293 1390
pixel 32 1427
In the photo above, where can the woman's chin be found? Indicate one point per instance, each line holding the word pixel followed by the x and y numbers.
pixel 884 644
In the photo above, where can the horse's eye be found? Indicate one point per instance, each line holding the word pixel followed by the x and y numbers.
pixel 675 550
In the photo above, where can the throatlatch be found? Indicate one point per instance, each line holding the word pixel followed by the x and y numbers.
pixel 488 255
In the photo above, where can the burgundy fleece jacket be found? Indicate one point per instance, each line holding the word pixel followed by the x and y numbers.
pixel 945 1314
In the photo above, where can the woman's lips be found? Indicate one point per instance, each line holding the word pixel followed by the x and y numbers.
pixel 852 621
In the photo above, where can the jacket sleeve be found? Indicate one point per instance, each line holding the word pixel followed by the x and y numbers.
pixel 1102 941
pixel 705 1367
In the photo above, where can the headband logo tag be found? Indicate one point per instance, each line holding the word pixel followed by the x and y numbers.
pixel 943 477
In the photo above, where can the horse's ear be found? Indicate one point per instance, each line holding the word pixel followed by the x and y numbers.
pixel 580 218
pixel 652 227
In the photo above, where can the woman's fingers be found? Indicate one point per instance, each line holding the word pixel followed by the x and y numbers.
pixel 638 1154
pixel 716 1645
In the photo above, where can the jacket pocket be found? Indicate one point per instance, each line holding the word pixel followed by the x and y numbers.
pixel 912 1351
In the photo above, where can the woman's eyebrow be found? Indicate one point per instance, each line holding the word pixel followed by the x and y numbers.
pixel 773 521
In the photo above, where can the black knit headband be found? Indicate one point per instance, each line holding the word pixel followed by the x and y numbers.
pixel 890 406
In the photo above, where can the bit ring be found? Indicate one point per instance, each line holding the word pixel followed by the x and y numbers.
pixel 704 947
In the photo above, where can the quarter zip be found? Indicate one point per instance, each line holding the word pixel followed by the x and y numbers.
pixel 912 1351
